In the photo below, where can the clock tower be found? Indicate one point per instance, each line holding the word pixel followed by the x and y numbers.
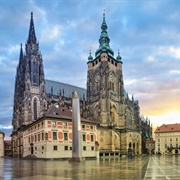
pixel 105 87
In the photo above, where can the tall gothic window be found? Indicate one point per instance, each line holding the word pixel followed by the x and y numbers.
pixel 35 109
pixel 34 73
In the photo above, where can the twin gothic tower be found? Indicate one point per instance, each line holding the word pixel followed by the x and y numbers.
pixel 107 103
pixel 105 88
pixel 30 91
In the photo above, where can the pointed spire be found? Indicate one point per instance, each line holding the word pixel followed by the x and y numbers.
pixel 104 40
pixel 21 54
pixel 51 90
pixel 104 25
pixel 132 98
pixel 32 35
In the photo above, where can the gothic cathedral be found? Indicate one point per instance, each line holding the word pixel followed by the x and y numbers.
pixel 105 100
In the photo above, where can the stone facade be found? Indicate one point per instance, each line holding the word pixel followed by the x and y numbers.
pixel 150 146
pixel 7 148
pixel 30 94
pixel 108 102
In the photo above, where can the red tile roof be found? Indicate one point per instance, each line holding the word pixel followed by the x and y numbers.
pixel 168 128
pixel 63 113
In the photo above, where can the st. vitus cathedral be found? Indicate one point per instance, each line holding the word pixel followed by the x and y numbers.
pixel 105 100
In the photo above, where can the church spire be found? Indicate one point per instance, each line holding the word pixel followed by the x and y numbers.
pixel 104 40
pixel 21 54
pixel 32 35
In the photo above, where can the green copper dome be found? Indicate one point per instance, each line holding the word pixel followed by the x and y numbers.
pixel 104 40
pixel 118 57
pixel 90 58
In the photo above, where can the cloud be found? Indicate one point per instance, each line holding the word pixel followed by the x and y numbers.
pixel 171 117
pixel 50 33
pixel 147 34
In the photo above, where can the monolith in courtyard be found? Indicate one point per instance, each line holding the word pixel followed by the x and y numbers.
pixel 76 129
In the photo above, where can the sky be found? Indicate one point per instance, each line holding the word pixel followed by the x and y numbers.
pixel 146 32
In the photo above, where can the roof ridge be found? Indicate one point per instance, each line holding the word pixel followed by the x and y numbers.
pixel 65 84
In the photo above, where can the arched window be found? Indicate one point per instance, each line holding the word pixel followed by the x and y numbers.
pixel 34 73
pixel 35 109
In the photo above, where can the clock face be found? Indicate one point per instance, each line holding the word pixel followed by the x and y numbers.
pixel 111 77
pixel 97 78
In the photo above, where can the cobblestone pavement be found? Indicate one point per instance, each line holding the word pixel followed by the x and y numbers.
pixel 163 167
pixel 142 167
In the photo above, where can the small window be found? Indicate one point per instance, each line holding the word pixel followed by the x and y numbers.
pixel 35 138
pixel 92 148
pixel 92 137
pixel 42 136
pixel 64 123
pixel 53 123
pixel 38 137
pixel 65 136
pixel 42 147
pixel 84 148
pixel 84 137
pixel 91 127
pixel 83 126
pixel 54 135
pixel 35 148
pixel 115 64
pixel 55 148
pixel 70 148
pixel 66 148
pixel 46 136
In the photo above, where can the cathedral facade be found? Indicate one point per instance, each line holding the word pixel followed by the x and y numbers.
pixel 104 101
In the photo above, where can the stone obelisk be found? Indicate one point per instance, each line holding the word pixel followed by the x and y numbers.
pixel 76 129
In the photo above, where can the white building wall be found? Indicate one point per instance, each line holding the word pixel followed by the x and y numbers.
pixel 167 139
pixel 59 148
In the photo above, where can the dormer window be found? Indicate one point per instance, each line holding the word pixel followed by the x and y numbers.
pixel 55 113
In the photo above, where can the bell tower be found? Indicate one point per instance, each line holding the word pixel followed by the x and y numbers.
pixel 105 87
pixel 30 92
